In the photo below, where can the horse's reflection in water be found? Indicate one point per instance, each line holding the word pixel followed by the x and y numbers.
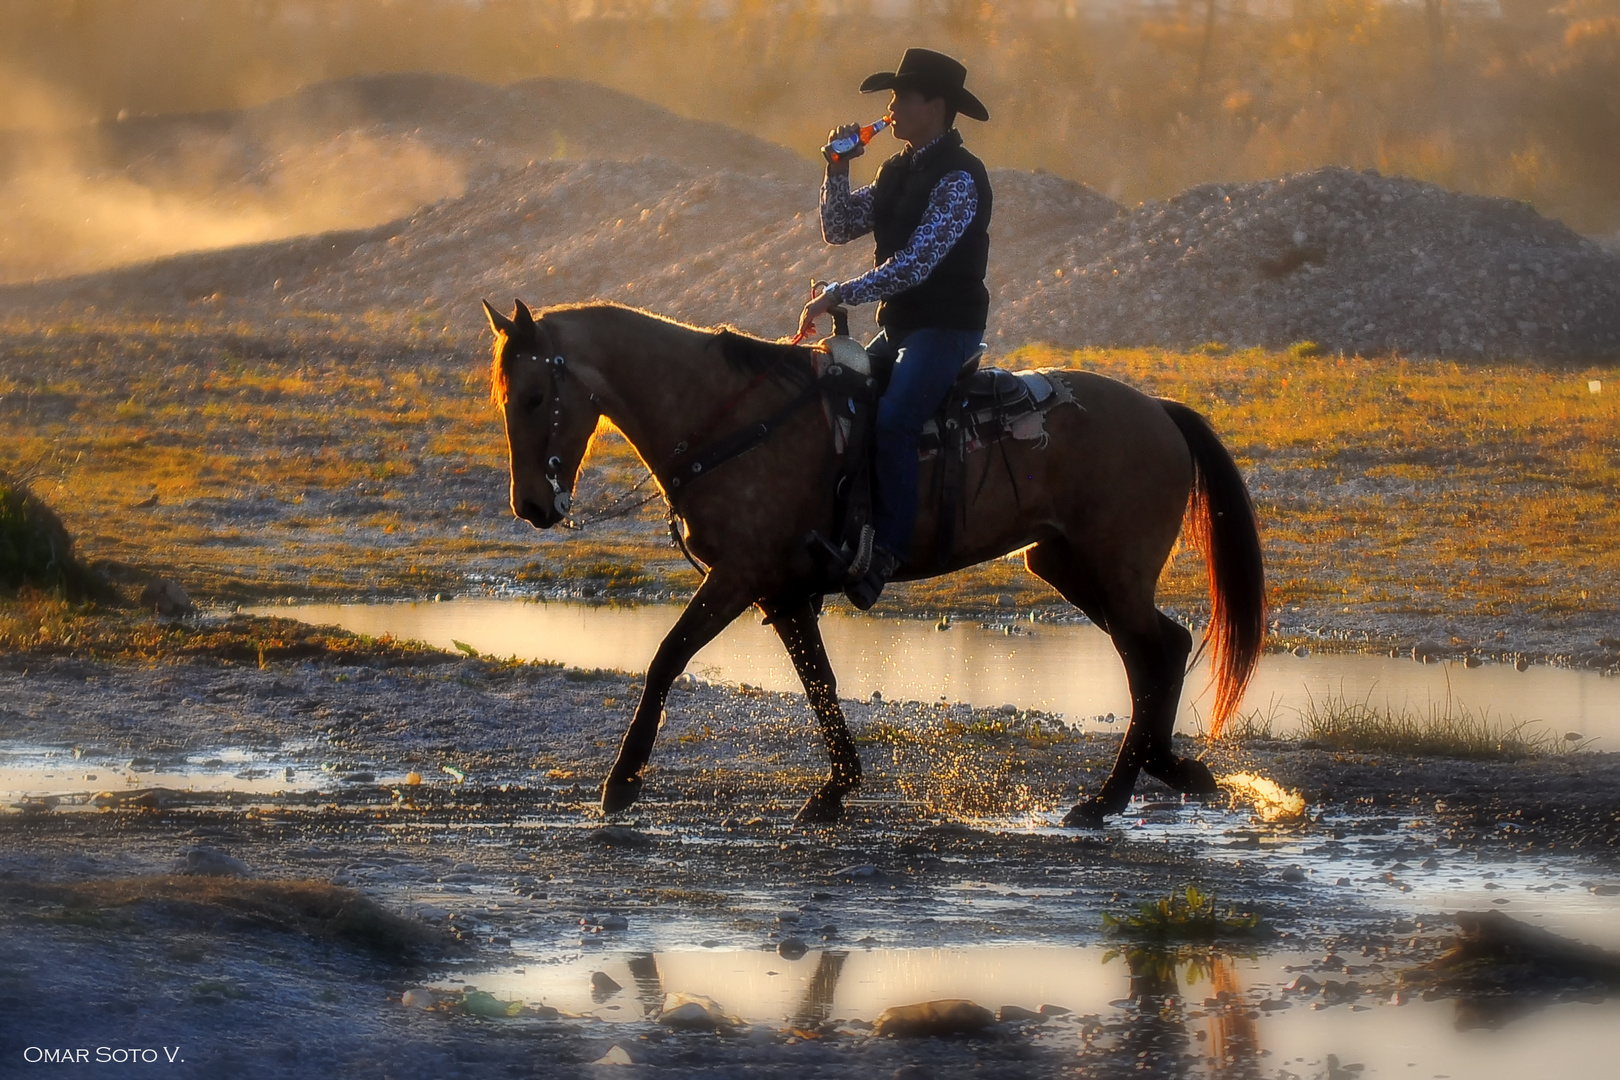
pixel 817 1006
pixel 1160 1039
pixel 1158 1036
pixel 815 1009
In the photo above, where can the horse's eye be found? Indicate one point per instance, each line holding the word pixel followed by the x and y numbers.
pixel 532 402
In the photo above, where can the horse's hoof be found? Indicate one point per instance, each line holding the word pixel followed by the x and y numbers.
pixel 1187 775
pixel 1196 779
pixel 819 810
pixel 1086 815
pixel 620 795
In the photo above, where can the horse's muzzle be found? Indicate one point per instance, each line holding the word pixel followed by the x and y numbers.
pixel 536 514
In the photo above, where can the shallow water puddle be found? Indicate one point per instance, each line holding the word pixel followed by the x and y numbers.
pixel 1203 1011
pixel 41 777
pixel 1400 864
pixel 1064 668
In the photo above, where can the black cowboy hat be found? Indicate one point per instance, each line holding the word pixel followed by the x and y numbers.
pixel 936 75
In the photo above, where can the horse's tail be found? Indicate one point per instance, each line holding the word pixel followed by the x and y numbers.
pixel 1221 522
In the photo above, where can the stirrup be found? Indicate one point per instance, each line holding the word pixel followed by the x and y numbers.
pixel 844 567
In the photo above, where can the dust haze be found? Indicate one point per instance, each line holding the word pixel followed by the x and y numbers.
pixel 130 131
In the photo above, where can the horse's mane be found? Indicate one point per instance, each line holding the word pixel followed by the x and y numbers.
pixel 757 356
pixel 743 352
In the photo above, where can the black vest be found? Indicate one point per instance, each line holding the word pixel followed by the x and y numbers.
pixel 954 296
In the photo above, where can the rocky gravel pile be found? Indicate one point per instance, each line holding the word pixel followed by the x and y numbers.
pixel 1353 261
pixel 578 193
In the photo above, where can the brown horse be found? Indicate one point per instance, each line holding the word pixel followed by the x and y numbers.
pixel 1096 508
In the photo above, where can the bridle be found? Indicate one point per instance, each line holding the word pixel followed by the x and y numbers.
pixel 682 468
pixel 561 501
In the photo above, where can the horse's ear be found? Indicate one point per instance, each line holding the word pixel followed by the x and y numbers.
pixel 522 317
pixel 498 322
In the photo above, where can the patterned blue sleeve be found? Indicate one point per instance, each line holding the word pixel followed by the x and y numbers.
pixel 845 214
pixel 951 206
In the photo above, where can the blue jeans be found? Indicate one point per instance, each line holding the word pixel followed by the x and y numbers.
pixel 926 363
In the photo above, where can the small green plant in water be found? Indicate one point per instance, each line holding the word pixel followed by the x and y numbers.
pixel 1189 915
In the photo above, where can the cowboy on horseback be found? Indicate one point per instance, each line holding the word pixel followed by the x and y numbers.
pixel 928 209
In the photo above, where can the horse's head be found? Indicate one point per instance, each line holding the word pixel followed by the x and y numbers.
pixel 549 415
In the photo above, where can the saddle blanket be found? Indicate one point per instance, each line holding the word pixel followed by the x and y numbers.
pixel 999 405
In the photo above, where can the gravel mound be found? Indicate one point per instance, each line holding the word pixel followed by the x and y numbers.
pixel 712 225
pixel 1353 261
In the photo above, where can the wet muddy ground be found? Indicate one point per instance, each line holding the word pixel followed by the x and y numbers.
pixel 118 773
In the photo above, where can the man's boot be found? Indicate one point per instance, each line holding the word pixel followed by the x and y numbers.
pixel 865 592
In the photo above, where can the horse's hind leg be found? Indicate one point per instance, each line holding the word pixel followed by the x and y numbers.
pixel 1154 656
pixel 1154 649
pixel 796 625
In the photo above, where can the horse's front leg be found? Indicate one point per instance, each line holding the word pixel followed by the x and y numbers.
pixel 797 627
pixel 717 602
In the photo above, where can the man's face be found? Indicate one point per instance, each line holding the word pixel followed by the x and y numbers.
pixel 916 115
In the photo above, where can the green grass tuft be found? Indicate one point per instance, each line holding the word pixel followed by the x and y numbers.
pixel 1187 916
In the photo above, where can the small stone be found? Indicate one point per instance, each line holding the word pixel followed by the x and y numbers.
pixel 604 984
pixel 694 1012
pixel 616 1055
pixel 949 1016
pixel 792 949
pixel 1305 985
pixel 417 998
pixel 1017 1013
pixel 167 598
pixel 211 862
pixel 1293 874
pixel 857 872
pixel 620 836
pixel 1054 1010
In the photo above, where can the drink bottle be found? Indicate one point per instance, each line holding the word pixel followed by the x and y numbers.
pixel 835 150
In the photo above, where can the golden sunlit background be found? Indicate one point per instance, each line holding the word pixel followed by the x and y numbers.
pixel 1139 100
pixel 300 723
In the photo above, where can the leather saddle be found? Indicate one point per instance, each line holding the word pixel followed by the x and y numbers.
pixel 981 407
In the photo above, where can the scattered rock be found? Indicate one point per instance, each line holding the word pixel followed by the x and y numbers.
pixel 858 872
pixel 167 598
pixel 949 1016
pixel 694 1012
pixel 211 862
pixel 604 922
pixel 616 1055
pixel 1015 1013
pixel 1054 1010
pixel 1497 955
pixel 792 949
pixel 1334 992
pixel 603 985
pixel 1426 652
pixel 1305 985
pixel 1293 874
pixel 417 998
pixel 620 836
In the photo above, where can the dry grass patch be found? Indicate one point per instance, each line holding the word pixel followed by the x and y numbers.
pixel 1442 729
